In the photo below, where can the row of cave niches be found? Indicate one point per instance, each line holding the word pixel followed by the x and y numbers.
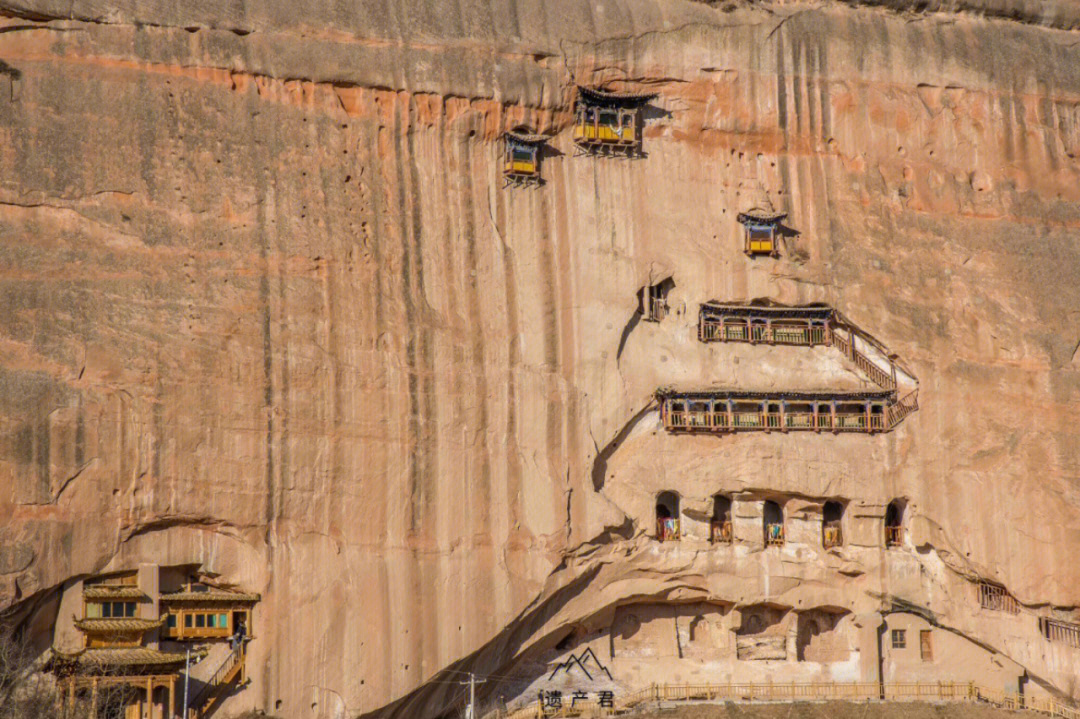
pixel 773 525
pixel 609 124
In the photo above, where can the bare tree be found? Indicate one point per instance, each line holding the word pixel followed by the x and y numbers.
pixel 25 692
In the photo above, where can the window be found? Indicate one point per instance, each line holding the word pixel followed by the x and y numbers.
pixel 926 648
pixel 170 622
pixel 899 639
pixel 110 610
pixel 200 621
pixel 187 621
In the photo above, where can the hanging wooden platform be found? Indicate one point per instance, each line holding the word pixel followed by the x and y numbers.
pixel 724 411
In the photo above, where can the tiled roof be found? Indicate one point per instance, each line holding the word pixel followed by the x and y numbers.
pixel 124 657
pixel 758 214
pixel 105 591
pixel 523 134
pixel 629 98
pixel 128 624
pixel 210 595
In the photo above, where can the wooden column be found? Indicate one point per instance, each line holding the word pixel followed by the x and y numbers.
pixel 170 698
pixel 832 415
pixel 814 407
pixel 764 412
pixel 768 331
pixel 730 415
pixel 94 698
pixel 149 698
pixel 783 415
pixel 869 427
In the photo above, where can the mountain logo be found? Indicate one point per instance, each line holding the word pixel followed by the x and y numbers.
pixel 587 658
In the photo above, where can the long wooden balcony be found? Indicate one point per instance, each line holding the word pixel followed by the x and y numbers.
pixel 807 326
pixel 734 411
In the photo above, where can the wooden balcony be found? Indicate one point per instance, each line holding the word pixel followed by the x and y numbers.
pixel 831 535
pixel 608 121
pixel 667 530
pixel 732 411
pixel 774 534
pixel 996 598
pixel 720 532
pixel 807 326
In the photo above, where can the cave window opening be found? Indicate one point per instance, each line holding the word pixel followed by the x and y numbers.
pixel 894 524
pixel 831 531
pixel 720 528
pixel 773 517
pixel 654 304
pixel 667 516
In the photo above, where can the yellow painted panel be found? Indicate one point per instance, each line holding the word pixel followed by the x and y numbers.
pixel 526 167
pixel 761 246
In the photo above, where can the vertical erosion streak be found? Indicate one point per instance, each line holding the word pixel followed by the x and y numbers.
pixel 480 494
pixel 406 584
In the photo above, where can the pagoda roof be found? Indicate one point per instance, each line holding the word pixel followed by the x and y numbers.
pixel 605 97
pixel 824 395
pixel 766 308
pixel 758 214
pixel 113 591
pixel 525 135
pixel 117 625
pixel 209 594
pixel 92 660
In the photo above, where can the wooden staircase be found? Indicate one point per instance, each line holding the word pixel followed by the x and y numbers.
pixel 230 673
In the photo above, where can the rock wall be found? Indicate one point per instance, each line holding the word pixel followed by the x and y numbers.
pixel 268 307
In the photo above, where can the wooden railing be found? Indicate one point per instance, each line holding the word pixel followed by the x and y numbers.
pixel 774 534
pixel 894 536
pixel 720 532
pixel 230 668
pixel 718 331
pixel 1058 631
pixel 824 691
pixel 831 535
pixel 742 420
pixel 903 407
pixel 997 598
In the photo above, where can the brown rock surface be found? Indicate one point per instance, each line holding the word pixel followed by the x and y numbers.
pixel 267 307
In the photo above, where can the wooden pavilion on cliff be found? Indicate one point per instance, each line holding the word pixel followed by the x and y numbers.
pixel 609 122
pixel 202 613
pixel 761 227
pixel 122 676
pixel 724 411
pixel 521 156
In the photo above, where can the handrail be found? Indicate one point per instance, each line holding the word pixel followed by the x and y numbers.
pixel 795 691
pixel 235 657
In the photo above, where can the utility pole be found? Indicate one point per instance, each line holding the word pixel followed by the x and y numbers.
pixel 187 675
pixel 470 712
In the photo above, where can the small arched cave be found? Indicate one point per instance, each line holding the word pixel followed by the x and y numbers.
pixel 819 636
pixel 773 523
pixel 720 528
pixel 894 523
pixel 667 516
pixel 762 633
pixel 832 516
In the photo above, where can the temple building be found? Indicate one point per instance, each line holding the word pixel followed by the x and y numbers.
pixel 760 230
pixel 135 633
pixel 521 156
pixel 119 669
pixel 609 122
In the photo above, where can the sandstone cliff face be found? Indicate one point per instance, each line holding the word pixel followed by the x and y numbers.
pixel 267 307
